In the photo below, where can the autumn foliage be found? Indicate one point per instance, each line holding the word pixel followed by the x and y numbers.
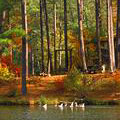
pixel 7 63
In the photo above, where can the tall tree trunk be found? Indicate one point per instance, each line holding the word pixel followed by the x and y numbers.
pixel 17 57
pixel 111 37
pixel 118 35
pixel 54 17
pixel 24 48
pixel 41 35
pixel 80 35
pixel 107 13
pixel 0 23
pixel 1 49
pixel 11 47
pixel 65 35
pixel 33 69
pixel 2 20
pixel 11 55
pixel 97 4
pixel 31 62
pixel 60 46
pixel 60 39
pixel 47 31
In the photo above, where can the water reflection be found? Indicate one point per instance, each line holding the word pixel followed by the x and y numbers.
pixel 71 109
pixel 55 113
pixel 45 108
pixel 61 108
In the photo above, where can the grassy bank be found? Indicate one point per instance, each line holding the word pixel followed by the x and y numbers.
pixel 97 89
pixel 43 100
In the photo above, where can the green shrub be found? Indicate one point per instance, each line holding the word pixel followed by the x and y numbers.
pixel 78 82
pixel 84 84
pixel 42 100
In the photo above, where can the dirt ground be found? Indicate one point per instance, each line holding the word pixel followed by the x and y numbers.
pixel 53 87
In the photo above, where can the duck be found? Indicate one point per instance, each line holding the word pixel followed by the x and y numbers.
pixel 76 105
pixel 82 105
pixel 44 106
pixel 60 105
pixel 72 105
pixel 65 104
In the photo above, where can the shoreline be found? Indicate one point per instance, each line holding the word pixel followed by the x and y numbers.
pixel 11 102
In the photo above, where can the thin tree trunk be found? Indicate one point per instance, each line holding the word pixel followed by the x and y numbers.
pixel 54 7
pixel 107 13
pixel 47 31
pixel 24 48
pixel 111 37
pixel 2 20
pixel 11 47
pixel 41 35
pixel 60 40
pixel 17 57
pixel 4 17
pixel 1 49
pixel 33 69
pixel 80 36
pixel 65 35
pixel 32 62
pixel 0 23
pixel 97 4
pixel 37 60
pixel 11 54
pixel 60 46
pixel 118 35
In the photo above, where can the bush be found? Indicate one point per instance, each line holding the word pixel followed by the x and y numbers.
pixel 84 84
pixel 6 62
pixel 78 82
pixel 42 100
pixel 5 75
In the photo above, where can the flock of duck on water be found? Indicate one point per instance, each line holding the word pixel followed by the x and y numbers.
pixel 63 104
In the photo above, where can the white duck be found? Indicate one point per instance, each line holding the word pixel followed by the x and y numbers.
pixel 44 106
pixel 82 105
pixel 72 105
pixel 60 105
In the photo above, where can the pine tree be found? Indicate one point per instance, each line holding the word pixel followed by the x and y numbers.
pixel 80 35
pixel 24 48
pixel 41 36
pixel 111 37
pixel 118 34
pixel 97 4
pixel 65 35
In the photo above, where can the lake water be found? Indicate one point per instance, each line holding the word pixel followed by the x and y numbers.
pixel 52 113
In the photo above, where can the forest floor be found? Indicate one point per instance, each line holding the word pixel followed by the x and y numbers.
pixel 53 88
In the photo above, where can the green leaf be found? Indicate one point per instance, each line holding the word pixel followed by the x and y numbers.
pixel 18 31
pixel 5 41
